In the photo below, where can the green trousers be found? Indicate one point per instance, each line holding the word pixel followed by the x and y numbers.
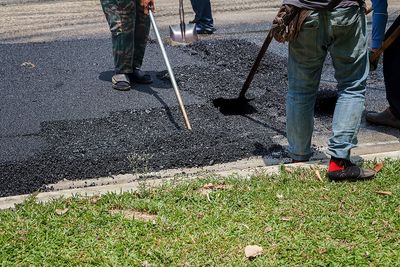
pixel 129 28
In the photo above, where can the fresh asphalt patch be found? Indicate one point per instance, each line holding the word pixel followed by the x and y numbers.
pixel 78 128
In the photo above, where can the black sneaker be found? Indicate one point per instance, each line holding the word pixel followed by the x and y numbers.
pixel 351 172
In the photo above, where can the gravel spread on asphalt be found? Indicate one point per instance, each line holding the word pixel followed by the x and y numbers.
pixel 135 141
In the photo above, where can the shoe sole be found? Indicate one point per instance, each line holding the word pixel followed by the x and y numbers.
pixel 120 88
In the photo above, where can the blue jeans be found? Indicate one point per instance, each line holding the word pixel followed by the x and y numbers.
pixel 341 32
pixel 203 14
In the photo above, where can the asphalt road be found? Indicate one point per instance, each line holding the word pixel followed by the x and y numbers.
pixel 60 119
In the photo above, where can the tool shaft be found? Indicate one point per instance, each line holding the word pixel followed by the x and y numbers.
pixel 386 44
pixel 171 73
pixel 253 70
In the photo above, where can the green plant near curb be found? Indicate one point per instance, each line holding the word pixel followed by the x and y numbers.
pixel 139 162
pixel 297 219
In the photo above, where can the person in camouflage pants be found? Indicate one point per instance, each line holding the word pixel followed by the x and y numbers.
pixel 129 25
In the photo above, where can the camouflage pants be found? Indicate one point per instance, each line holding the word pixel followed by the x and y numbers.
pixel 129 32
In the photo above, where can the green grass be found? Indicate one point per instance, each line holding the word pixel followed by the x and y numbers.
pixel 297 219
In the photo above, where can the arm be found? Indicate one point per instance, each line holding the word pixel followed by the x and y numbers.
pixel 379 19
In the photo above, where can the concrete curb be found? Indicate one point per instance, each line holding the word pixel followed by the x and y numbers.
pixel 131 183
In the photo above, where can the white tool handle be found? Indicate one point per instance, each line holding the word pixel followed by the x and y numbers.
pixel 171 74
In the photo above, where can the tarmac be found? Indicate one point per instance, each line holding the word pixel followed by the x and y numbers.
pixel 61 122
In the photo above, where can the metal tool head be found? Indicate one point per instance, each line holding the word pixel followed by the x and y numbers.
pixel 183 33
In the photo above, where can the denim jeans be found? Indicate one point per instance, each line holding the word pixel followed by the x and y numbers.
pixel 203 14
pixel 341 32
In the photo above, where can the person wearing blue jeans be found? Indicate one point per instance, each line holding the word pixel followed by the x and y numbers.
pixel 203 16
pixel 339 29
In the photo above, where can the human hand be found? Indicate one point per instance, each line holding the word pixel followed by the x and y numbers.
pixel 373 63
pixel 147 5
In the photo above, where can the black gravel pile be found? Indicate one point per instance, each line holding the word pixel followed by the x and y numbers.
pixel 136 141
pixel 230 62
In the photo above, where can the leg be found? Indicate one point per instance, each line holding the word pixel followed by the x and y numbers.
pixel 119 15
pixel 195 9
pixel 391 59
pixel 142 29
pixel 205 20
pixel 349 53
pixel 306 57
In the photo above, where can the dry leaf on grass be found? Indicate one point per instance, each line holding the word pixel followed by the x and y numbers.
pixel 378 167
pixel 216 186
pixel 61 211
pixel 94 199
pixel 252 251
pixel 384 193
pixel 208 188
pixel 279 196
pixel 288 169
pixel 286 219
pixel 134 215
pixel 268 229
pixel 318 174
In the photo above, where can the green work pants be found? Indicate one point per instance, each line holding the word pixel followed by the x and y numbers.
pixel 129 28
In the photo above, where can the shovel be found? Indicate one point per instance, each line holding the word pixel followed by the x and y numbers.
pixel 171 73
pixel 183 33
pixel 240 105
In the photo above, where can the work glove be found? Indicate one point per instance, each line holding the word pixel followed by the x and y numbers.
pixel 373 65
pixel 146 5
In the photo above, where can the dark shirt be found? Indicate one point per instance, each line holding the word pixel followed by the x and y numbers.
pixel 323 4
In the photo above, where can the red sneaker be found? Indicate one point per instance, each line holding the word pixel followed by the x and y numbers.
pixel 345 170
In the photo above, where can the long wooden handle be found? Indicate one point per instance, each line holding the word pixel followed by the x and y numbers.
pixel 253 70
pixel 386 44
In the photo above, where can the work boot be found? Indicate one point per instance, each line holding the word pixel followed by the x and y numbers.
pixel 385 117
pixel 345 170
pixel 200 29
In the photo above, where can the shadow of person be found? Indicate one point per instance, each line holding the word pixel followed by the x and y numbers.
pixel 146 88
pixel 379 128
pixel 106 76
pixel 266 125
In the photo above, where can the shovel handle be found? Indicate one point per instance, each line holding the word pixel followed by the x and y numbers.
pixel 182 19
pixel 171 73
pixel 253 70
pixel 386 44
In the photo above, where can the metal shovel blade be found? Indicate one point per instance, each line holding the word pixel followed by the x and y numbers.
pixel 185 33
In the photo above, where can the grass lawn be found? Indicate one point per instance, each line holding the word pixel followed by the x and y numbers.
pixel 294 217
